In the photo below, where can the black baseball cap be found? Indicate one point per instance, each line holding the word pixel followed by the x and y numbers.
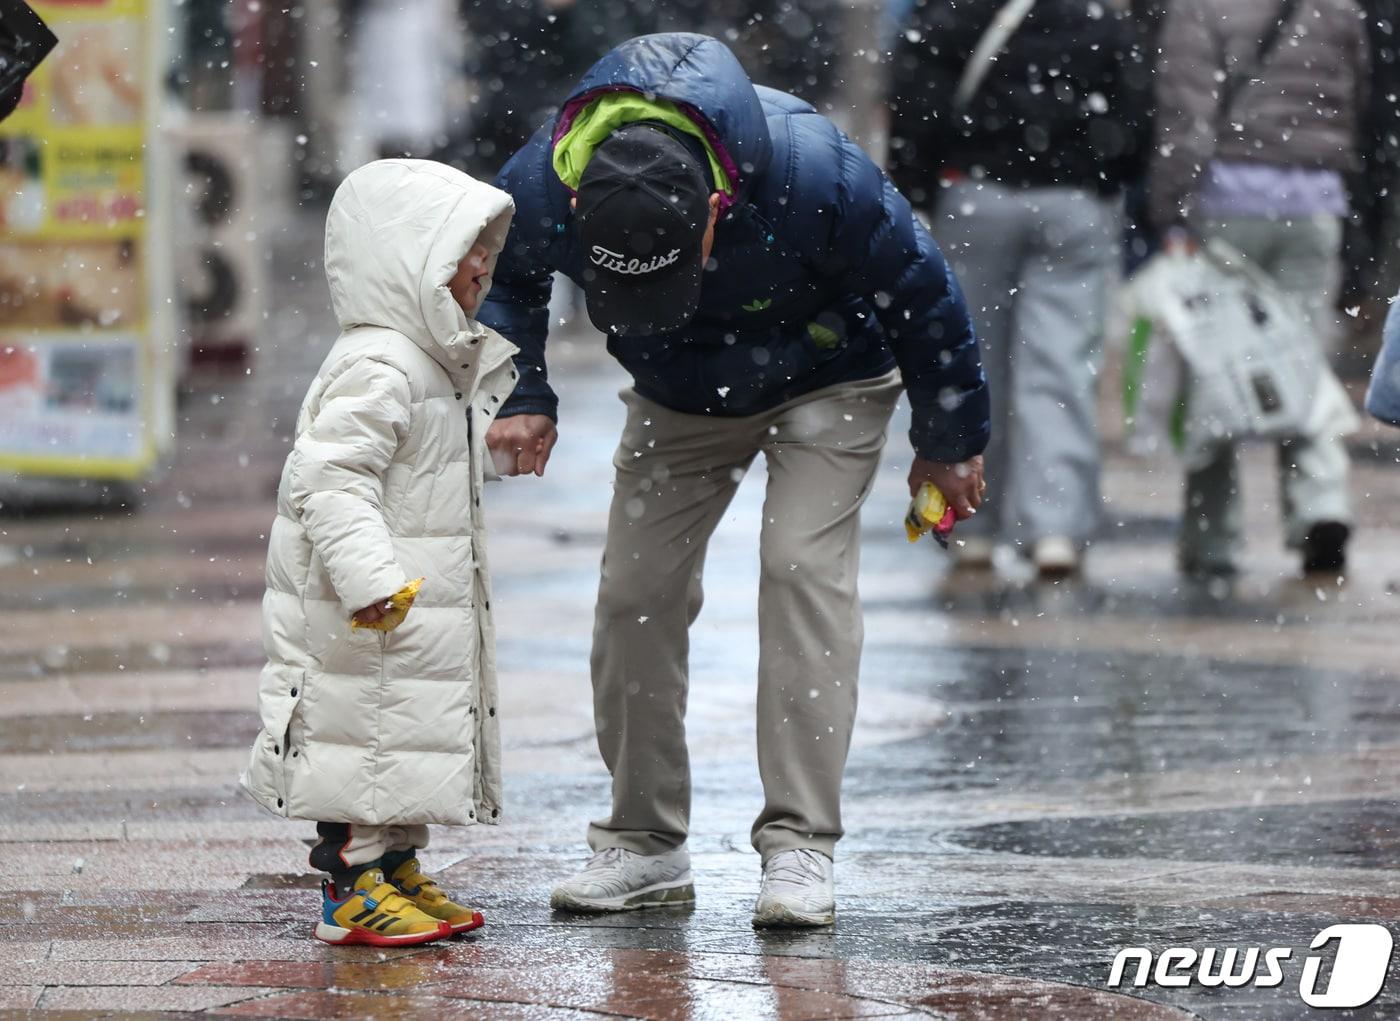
pixel 643 207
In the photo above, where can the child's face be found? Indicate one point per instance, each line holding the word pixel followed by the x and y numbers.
pixel 471 276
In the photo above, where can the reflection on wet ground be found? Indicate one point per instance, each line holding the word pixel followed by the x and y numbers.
pixel 1042 775
pixel 1332 835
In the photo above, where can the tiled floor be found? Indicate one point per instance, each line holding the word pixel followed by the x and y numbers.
pixel 1042 774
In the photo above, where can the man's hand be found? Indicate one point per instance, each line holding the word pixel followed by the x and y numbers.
pixel 961 484
pixel 521 443
pixel 372 613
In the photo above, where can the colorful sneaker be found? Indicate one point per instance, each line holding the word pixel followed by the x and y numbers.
pixel 428 898
pixel 375 914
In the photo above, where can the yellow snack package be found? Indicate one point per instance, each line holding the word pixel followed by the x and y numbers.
pixel 399 604
pixel 929 513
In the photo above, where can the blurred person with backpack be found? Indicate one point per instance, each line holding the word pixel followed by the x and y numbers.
pixel 1019 123
pixel 1258 108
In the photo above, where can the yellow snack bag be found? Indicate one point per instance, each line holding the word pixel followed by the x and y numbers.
pixel 929 513
pixel 399 604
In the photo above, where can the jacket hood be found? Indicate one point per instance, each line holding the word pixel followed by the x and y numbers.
pixel 395 233
pixel 701 76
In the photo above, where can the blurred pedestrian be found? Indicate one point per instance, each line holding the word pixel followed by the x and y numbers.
pixel 397 107
pixel 1015 123
pixel 378 700
pixel 766 287
pixel 524 55
pixel 1383 395
pixel 1368 273
pixel 1140 241
pixel 1258 106
pixel 792 45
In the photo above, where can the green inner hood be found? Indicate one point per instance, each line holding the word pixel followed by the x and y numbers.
pixel 611 111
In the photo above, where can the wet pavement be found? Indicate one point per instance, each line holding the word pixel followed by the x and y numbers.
pixel 1042 775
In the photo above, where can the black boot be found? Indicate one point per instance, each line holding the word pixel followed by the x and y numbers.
pixel 1325 548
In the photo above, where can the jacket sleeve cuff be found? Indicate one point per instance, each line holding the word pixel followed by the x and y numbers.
pixel 530 404
pixel 948 448
pixel 356 591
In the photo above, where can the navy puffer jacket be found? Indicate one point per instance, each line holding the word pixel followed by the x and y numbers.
pixel 820 274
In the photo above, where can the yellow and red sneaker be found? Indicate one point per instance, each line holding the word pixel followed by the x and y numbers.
pixel 375 914
pixel 428 897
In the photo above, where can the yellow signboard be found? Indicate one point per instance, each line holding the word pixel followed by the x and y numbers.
pixel 80 390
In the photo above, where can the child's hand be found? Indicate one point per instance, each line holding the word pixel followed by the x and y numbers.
pixel 373 613
pixel 388 614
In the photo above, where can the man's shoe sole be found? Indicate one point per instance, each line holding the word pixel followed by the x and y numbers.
pixel 780 916
pixel 671 893
pixel 337 936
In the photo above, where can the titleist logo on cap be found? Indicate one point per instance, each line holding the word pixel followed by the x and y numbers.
pixel 614 262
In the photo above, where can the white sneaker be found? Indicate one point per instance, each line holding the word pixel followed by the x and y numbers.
pixel 975 553
pixel 799 889
pixel 616 879
pixel 1055 556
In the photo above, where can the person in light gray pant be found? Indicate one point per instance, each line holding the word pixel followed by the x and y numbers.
pixel 1018 124
pixel 1259 103
pixel 1035 265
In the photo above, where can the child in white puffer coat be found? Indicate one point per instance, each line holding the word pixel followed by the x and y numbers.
pixel 376 723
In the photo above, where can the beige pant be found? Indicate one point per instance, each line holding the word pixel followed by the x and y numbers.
pixel 343 846
pixel 676 474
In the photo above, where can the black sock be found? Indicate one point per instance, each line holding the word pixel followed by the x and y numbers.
pixel 393 859
pixel 344 879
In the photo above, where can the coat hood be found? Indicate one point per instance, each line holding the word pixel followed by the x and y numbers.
pixel 395 233
pixel 700 75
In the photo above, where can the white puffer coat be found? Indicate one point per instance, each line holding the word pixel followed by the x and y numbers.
pixel 383 485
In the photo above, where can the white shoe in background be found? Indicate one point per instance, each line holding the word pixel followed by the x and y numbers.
pixel 799 890
pixel 974 553
pixel 1055 556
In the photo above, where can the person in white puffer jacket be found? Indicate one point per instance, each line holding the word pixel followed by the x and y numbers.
pixel 375 730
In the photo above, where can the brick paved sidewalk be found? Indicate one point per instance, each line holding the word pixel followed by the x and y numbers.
pixel 1042 775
